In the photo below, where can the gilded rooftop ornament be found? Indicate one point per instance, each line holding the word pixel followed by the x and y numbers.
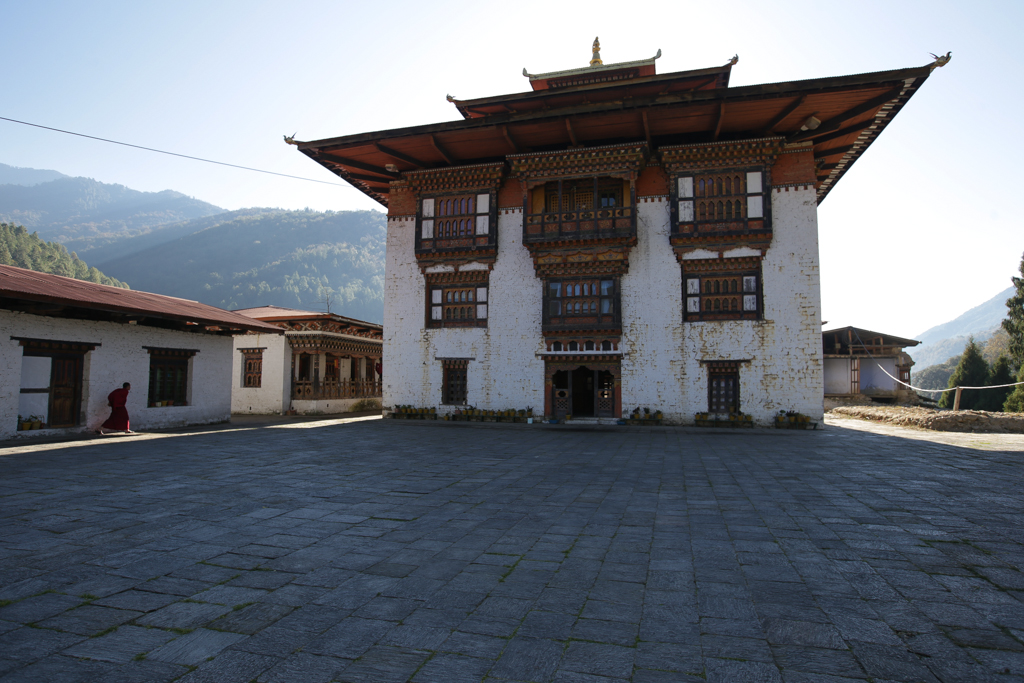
pixel 596 60
pixel 941 61
pixel 291 139
pixel 732 62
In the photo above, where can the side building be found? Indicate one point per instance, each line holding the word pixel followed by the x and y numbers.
pixel 322 363
pixel 67 344
pixel 615 238
pixel 862 366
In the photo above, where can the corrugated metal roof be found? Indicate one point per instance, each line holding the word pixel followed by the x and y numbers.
pixel 282 314
pixel 28 285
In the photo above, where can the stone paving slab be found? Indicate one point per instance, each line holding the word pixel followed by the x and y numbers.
pixel 344 551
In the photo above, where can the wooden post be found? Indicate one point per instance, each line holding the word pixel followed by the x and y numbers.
pixel 956 399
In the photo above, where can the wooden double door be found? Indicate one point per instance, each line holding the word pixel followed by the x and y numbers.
pixel 583 392
pixel 65 391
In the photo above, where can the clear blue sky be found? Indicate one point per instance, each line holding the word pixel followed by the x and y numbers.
pixel 918 231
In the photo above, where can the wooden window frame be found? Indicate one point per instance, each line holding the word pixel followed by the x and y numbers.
pixel 603 318
pixel 169 371
pixel 455 385
pixel 743 297
pixel 252 368
pixel 687 197
pixel 565 209
pixel 472 225
pixel 441 312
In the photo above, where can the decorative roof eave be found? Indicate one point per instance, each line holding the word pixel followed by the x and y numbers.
pixel 332 335
pixel 629 158
pixel 888 339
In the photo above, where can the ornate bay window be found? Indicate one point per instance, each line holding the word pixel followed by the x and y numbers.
pixel 722 289
pixel 252 367
pixel 581 303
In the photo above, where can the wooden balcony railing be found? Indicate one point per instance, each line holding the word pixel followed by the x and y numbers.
pixel 619 221
pixel 304 390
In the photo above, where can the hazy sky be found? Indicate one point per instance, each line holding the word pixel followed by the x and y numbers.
pixel 917 232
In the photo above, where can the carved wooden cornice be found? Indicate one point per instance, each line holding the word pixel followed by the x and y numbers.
pixel 598 260
pixel 457 258
pixel 317 343
pixel 762 151
pixel 721 265
pixel 460 277
pixel 332 326
pixel 616 160
pixel 450 179
pixel 687 245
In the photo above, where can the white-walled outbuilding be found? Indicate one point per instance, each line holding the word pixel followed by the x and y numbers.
pixel 66 344
pixel 323 363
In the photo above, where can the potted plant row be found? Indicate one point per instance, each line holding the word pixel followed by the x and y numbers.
pixel 413 413
pixel 790 419
pixel 32 422
pixel 472 414
pixel 735 420
pixel 644 417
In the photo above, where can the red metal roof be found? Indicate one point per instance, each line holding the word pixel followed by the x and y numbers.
pixel 281 314
pixel 21 285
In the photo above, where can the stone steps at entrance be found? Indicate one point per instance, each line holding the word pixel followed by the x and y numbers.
pixel 594 420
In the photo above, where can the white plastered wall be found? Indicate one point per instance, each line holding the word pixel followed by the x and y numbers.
pixel 505 370
pixel 837 376
pixel 119 358
pixel 272 396
pixel 873 380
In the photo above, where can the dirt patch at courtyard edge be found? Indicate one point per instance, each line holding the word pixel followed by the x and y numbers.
pixel 937 420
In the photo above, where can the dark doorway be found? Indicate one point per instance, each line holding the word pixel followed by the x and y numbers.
pixel 582 392
pixel 562 399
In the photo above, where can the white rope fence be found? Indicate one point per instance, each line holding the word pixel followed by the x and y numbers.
pixel 956 402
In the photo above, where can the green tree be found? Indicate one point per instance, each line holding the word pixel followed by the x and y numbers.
pixel 999 373
pixel 971 371
pixel 1015 401
pixel 1014 322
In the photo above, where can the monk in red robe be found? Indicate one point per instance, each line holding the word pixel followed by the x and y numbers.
pixel 118 421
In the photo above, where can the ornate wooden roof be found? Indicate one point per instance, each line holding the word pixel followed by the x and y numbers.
pixel 839 117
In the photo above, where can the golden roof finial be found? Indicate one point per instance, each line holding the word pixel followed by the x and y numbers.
pixel 596 60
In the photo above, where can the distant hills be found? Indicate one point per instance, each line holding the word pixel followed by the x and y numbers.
pixel 169 243
pixel 19 247
pixel 942 342
pixel 82 213
pixel 247 258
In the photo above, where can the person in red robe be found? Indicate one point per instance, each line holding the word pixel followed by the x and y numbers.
pixel 118 420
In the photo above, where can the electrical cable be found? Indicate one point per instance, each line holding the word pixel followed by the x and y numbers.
pixel 175 154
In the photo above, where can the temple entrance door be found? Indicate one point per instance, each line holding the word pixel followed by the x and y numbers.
pixel 605 394
pixel 582 392
pixel 562 393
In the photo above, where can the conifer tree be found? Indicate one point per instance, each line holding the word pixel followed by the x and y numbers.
pixel 999 373
pixel 971 371
pixel 1015 401
pixel 1014 322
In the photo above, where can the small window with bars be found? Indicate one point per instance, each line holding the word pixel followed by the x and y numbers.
pixel 578 195
pixel 722 296
pixel 589 301
pixel 252 368
pixel 723 391
pixel 457 305
pixel 454 390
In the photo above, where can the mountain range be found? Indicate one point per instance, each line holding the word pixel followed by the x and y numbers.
pixel 169 243
pixel 945 341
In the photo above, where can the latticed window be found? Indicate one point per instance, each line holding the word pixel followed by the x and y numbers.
pixel 462 305
pixel 581 302
pixel 735 196
pixel 454 382
pixel 455 216
pixel 252 368
pixel 168 376
pixel 722 296
pixel 578 195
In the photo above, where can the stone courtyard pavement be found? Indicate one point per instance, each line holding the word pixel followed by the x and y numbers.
pixel 385 552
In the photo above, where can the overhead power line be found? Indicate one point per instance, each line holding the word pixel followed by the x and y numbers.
pixel 175 154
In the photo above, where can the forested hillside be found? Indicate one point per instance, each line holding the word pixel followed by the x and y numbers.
pixel 82 213
pixel 19 247
pixel 258 257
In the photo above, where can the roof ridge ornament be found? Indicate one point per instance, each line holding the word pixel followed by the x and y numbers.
pixel 941 60
pixel 596 49
pixel 731 62
pixel 290 139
